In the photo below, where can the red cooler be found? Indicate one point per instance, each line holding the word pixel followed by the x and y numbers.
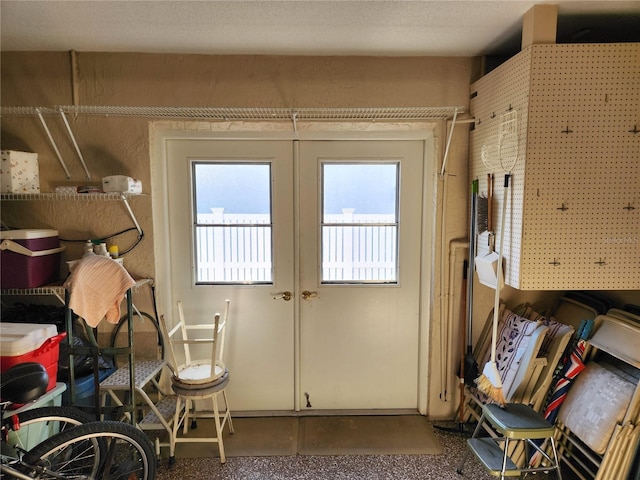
pixel 31 342
pixel 29 258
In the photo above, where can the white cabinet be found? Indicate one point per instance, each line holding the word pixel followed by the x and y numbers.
pixel 573 216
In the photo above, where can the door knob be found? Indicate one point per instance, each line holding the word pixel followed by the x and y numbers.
pixel 307 295
pixel 286 296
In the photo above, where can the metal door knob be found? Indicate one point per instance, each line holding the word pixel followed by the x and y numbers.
pixel 306 295
pixel 286 296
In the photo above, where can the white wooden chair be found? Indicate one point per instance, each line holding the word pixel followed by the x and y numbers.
pixel 201 376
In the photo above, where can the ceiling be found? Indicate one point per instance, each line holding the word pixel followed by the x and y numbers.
pixel 296 27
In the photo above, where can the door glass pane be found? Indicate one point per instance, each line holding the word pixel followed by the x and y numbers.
pixel 232 222
pixel 360 222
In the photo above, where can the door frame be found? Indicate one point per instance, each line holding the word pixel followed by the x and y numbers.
pixel 160 132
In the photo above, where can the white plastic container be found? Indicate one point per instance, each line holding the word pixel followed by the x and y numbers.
pixel 121 184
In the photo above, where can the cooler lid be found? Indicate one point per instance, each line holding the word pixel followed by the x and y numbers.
pixel 27 234
pixel 20 338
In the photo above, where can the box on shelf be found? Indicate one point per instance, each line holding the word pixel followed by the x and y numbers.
pixel 31 342
pixel 19 172
pixel 121 184
pixel 29 258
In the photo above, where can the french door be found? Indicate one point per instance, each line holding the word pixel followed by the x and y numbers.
pixel 318 246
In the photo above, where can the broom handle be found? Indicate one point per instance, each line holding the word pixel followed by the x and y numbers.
pixel 496 302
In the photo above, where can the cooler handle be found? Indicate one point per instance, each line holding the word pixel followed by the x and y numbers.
pixel 22 250
pixel 50 343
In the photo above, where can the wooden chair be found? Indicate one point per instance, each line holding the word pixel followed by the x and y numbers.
pixel 201 376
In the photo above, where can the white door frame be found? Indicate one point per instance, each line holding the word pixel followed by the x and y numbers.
pixel 161 132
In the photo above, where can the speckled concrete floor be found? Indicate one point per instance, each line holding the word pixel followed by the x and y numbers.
pixel 359 467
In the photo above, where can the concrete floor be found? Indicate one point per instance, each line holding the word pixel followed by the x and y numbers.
pixel 356 467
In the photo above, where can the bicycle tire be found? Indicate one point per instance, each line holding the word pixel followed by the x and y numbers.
pixel 128 454
pixel 123 323
pixel 40 423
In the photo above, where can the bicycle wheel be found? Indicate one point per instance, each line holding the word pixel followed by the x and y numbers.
pixel 148 344
pixel 128 454
pixel 29 428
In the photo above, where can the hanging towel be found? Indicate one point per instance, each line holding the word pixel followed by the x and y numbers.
pixel 98 285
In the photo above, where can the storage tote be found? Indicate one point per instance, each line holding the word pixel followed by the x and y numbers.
pixel 29 258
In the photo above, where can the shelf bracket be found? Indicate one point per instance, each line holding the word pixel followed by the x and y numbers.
pixel 75 144
pixel 133 217
pixel 53 143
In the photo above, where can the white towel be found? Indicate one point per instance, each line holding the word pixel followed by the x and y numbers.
pixel 98 285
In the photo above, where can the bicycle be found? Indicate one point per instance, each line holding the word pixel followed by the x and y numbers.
pixel 71 445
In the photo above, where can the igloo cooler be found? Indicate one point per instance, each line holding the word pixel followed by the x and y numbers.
pixel 31 342
pixel 29 258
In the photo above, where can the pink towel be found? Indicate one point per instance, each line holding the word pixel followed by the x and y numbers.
pixel 98 285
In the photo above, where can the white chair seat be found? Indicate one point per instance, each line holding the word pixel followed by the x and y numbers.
pixel 199 372
pixel 202 390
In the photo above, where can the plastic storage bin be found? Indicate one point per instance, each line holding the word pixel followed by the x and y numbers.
pixel 29 258
pixel 29 436
pixel 31 342
pixel 84 390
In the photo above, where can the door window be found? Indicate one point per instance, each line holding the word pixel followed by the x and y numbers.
pixel 359 222
pixel 232 223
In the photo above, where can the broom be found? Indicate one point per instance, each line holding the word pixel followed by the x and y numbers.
pixel 490 381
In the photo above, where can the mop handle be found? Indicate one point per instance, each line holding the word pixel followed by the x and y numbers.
pixel 496 302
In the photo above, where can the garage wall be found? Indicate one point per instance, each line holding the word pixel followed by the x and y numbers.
pixel 119 145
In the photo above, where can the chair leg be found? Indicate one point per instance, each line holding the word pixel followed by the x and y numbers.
pixel 228 411
pixel 555 458
pixel 505 456
pixel 194 416
pixel 187 414
pixel 467 451
pixel 216 417
pixel 174 432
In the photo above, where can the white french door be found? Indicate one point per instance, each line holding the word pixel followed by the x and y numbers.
pixel 346 250
pixel 359 337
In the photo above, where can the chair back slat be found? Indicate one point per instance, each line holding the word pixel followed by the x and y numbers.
pixel 210 334
pixel 173 364
pixel 223 331
pixel 185 335
pixel 214 347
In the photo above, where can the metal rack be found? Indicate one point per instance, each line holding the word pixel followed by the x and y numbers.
pixel 62 294
pixel 251 113
pixel 124 197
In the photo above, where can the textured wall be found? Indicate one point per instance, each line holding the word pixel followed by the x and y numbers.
pixel 117 145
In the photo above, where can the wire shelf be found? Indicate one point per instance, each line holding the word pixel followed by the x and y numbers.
pixel 250 113
pixel 68 196
pixel 45 290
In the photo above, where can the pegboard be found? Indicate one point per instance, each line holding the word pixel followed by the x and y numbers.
pixel 503 91
pixel 575 216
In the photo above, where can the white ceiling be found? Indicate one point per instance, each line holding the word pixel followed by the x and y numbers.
pixel 295 27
